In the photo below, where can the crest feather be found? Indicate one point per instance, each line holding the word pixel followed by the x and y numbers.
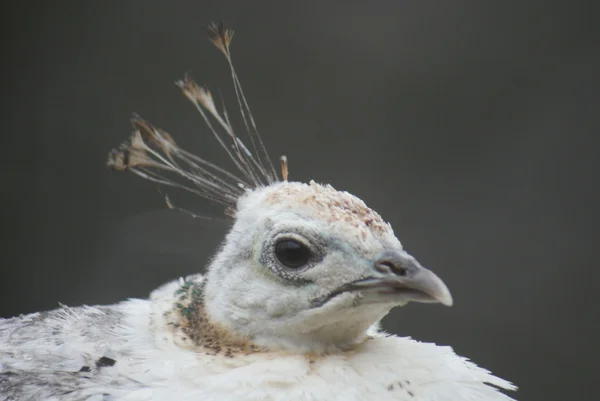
pixel 152 153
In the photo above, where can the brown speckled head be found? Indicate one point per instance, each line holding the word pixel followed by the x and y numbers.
pixel 323 207
pixel 327 203
pixel 308 267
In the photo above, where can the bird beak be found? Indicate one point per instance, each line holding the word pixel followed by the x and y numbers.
pixel 422 286
pixel 396 277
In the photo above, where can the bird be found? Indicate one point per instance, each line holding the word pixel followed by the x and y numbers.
pixel 288 309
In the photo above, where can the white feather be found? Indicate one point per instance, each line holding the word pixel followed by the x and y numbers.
pixel 150 366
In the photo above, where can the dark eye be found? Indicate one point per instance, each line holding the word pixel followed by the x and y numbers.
pixel 291 253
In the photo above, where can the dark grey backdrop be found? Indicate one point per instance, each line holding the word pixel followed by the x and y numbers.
pixel 469 125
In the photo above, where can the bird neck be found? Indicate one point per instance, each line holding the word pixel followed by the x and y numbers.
pixel 194 329
pixel 181 309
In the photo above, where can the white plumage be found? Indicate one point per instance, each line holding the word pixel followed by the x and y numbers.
pixel 288 310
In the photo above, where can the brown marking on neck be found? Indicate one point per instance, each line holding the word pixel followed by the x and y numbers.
pixel 193 328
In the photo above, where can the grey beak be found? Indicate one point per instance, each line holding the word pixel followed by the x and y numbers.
pixel 425 282
pixel 397 278
pixel 402 273
pixel 435 287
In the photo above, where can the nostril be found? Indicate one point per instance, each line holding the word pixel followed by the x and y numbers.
pixel 400 271
pixel 389 266
pixel 384 266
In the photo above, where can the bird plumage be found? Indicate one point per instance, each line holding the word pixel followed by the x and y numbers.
pixel 288 310
pixel 55 356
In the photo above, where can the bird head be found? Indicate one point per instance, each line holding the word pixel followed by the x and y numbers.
pixel 305 267
pixel 309 268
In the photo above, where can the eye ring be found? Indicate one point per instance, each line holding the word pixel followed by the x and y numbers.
pixel 292 253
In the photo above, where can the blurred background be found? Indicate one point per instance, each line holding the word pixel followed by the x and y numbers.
pixel 471 126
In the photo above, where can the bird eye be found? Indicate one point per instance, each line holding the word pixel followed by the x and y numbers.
pixel 292 253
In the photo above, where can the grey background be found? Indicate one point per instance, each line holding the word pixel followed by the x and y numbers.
pixel 471 126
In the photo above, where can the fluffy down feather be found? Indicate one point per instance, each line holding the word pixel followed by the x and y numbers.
pixel 66 354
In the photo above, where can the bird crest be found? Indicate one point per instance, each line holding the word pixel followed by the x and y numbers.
pixel 152 153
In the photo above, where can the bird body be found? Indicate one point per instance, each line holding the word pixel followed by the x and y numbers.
pixel 132 351
pixel 288 309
